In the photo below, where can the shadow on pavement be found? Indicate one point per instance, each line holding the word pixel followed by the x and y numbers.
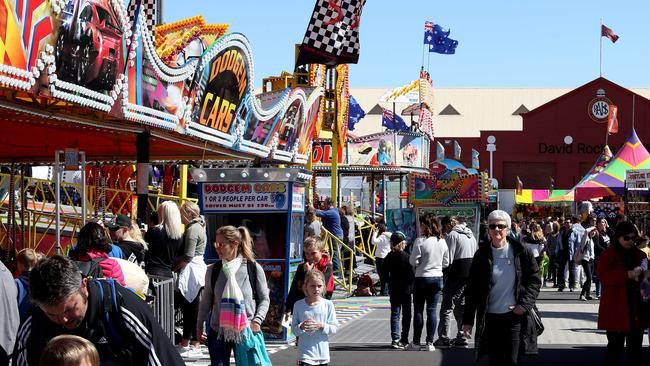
pixel 575 315
pixel 378 355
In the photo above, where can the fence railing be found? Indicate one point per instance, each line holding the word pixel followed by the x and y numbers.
pixel 163 303
pixel 364 237
pixel 38 215
pixel 342 257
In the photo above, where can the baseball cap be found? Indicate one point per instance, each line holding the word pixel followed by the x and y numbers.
pixel 397 238
pixel 119 221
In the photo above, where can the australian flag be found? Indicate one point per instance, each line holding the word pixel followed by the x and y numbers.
pixel 355 113
pixel 393 122
pixel 446 47
pixel 438 39
pixel 434 33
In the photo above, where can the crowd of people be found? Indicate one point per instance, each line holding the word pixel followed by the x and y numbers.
pixel 90 304
pixel 491 283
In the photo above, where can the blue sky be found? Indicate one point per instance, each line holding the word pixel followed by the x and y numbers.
pixel 506 43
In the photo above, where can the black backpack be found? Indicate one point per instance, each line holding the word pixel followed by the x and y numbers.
pixel 91 269
pixel 251 267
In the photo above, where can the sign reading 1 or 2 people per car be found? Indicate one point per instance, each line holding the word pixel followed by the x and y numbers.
pixel 245 196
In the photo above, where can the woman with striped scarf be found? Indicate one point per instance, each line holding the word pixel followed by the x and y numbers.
pixel 230 297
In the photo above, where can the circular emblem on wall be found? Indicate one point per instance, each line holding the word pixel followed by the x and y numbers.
pixel 598 109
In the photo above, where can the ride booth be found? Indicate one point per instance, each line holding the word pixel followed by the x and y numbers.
pixel 271 204
pixel 449 190
pixel 637 197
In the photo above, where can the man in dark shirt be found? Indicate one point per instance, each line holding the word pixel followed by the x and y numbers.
pixel 332 223
pixel 564 255
pixel 124 333
pixel 120 228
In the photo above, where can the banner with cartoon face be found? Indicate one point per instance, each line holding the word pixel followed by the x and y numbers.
pixel 376 151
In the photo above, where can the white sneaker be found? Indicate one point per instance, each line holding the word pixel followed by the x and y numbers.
pixel 430 347
pixel 412 347
pixel 192 352
pixel 180 348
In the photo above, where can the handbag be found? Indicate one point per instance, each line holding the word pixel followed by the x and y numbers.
pixel 252 350
pixel 539 326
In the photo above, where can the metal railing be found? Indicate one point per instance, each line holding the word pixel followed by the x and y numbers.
pixel 364 236
pixel 163 303
pixel 39 216
pixel 341 251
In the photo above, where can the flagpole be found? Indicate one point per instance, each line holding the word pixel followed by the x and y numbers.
pixel 423 51
pixel 633 105
pixel 601 46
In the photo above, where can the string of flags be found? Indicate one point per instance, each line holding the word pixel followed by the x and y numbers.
pixel 438 39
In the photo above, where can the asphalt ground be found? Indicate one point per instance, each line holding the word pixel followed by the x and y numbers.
pixel 570 337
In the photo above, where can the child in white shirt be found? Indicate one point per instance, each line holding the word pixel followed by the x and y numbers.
pixel 314 319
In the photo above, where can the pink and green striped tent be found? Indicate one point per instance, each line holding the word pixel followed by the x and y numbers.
pixel 611 181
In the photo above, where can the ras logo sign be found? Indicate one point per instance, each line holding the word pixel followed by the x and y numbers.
pixel 598 109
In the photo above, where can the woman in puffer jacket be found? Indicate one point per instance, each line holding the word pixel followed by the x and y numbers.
pixel 92 243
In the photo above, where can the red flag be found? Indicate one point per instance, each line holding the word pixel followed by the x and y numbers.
pixel 612 120
pixel 607 32
pixel 520 187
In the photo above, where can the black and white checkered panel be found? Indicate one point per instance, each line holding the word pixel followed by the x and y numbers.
pixel 150 10
pixel 337 38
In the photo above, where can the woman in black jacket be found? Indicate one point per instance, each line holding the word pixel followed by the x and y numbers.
pixel 601 242
pixel 503 285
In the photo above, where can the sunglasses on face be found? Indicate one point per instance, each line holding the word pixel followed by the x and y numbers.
pixel 629 237
pixel 497 226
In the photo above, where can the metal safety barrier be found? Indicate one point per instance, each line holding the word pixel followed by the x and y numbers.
pixel 163 303
pixel 364 236
pixel 338 249
pixel 37 221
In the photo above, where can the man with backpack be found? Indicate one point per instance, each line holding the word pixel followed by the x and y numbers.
pixel 115 320
pixel 10 315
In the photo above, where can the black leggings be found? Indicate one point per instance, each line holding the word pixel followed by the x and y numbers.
pixel 631 342
pixel 190 312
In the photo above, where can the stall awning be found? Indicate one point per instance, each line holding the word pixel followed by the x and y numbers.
pixel 530 196
pixel 31 135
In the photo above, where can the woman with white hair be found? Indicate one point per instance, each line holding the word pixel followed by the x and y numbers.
pixel 503 285
pixel 164 240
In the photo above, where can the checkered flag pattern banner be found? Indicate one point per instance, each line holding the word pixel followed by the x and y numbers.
pixel 332 36
pixel 150 9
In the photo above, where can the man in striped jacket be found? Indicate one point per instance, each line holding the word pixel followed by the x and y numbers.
pixel 115 320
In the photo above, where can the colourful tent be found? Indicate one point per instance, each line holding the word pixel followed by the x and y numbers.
pixel 569 196
pixel 611 181
pixel 529 196
pixel 564 199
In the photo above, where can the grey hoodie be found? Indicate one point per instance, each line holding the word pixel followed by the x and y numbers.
pixel 462 246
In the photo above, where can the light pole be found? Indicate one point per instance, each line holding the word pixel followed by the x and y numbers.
pixel 491 148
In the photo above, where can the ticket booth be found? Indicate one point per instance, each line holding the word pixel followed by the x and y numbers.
pixel 637 197
pixel 270 202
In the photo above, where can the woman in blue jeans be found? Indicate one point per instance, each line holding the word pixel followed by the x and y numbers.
pixel 429 256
